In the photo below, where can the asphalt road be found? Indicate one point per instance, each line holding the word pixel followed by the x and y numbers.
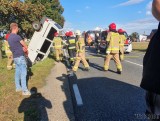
pixel 108 96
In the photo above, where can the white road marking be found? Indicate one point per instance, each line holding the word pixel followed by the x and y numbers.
pixel 134 63
pixel 77 95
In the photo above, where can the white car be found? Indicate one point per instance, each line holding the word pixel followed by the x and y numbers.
pixel 127 44
pixel 42 39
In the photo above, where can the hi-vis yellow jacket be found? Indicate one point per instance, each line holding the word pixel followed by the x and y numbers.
pixel 114 40
pixel 122 41
pixel 57 43
pixel 80 45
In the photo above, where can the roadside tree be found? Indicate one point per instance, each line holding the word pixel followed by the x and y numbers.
pixel 134 36
pixel 28 11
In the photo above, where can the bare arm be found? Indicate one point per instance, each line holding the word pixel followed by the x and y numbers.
pixel 23 44
pixel 156 9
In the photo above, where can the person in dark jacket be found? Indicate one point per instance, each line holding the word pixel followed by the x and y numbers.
pixel 151 70
pixel 71 41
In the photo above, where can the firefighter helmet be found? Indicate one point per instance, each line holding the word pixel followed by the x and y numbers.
pixel 66 34
pixel 56 34
pixel 112 26
pixel 97 34
pixel 78 32
pixel 70 33
pixel 120 30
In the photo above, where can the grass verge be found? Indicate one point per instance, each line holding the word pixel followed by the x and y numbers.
pixel 140 46
pixel 10 101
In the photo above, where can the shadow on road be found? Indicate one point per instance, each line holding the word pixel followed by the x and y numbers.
pixel 34 107
pixel 96 66
pixel 97 55
pixel 112 71
pixel 107 99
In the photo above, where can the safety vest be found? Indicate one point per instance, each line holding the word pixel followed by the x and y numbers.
pixel 71 43
pixel 80 45
pixel 7 48
pixel 114 42
pixel 57 42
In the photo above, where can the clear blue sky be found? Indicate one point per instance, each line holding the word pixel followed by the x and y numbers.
pixel 132 15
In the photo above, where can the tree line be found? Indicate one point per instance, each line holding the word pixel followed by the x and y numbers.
pixel 25 12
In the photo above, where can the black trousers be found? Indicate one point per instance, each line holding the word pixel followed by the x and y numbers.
pixel 72 53
pixel 153 106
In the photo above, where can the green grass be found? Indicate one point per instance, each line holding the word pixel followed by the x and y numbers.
pixel 140 46
pixel 11 100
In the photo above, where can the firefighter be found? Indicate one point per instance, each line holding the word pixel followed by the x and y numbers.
pixel 112 51
pixel 89 38
pixel 71 41
pixel 80 56
pixel 97 40
pixel 58 45
pixel 123 39
pixel 10 63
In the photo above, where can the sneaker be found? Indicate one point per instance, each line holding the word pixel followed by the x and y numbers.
pixel 18 90
pixel 26 93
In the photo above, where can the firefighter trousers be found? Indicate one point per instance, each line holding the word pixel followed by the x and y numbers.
pixel 121 54
pixel 59 54
pixel 72 54
pixel 116 59
pixel 78 59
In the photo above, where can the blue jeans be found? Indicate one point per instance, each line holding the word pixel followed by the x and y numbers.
pixel 21 73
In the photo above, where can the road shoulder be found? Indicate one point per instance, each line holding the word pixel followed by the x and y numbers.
pixel 58 93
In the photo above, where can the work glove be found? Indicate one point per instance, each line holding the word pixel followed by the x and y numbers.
pixel 108 52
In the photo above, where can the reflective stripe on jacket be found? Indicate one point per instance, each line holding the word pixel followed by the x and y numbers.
pixel 71 43
pixel 114 42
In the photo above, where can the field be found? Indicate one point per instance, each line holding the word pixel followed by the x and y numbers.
pixel 140 46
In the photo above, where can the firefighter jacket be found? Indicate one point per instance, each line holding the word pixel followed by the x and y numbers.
pixel 71 41
pixel 7 48
pixel 114 40
pixel 57 43
pixel 122 41
pixel 80 45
